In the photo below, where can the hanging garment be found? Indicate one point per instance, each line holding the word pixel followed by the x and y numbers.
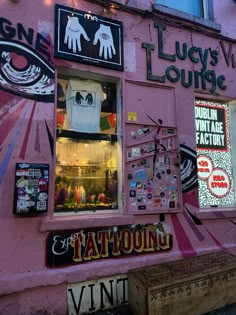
pixel 83 104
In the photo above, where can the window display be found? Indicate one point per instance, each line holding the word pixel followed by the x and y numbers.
pixel 83 105
pixel 87 147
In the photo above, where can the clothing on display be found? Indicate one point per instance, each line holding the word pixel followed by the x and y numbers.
pixel 83 105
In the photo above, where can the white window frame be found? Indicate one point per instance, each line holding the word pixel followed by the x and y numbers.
pixel 206 10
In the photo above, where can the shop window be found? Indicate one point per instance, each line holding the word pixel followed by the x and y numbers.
pixel 199 8
pixel 215 150
pixel 86 147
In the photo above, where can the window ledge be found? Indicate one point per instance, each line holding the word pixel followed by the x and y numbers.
pixel 84 221
pixel 214 213
pixel 187 17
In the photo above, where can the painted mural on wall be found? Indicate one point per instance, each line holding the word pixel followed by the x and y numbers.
pixel 189 180
pixel 74 247
pixel 26 93
pixel 24 66
pixel 191 233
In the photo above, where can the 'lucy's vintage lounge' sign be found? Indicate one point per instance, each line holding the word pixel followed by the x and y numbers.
pixel 196 55
pixel 87 38
pixel 75 247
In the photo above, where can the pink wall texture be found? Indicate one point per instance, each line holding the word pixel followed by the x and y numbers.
pixel 28 135
pixel 224 13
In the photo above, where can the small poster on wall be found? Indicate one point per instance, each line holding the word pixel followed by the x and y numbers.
pixel 31 188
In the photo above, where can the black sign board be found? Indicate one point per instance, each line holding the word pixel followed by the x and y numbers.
pixel 31 188
pixel 74 247
pixel 210 128
pixel 88 38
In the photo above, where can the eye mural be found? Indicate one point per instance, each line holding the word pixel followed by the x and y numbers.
pixel 24 72
pixel 26 95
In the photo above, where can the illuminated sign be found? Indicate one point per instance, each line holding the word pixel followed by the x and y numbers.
pixel 210 128
pixel 214 164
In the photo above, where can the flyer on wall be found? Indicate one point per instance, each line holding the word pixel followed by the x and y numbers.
pixel 31 188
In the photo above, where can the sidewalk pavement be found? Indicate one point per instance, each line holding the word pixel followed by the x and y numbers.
pixel 227 310
pixel 124 310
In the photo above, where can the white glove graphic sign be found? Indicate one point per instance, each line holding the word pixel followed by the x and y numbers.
pixel 91 39
pixel 104 35
pixel 73 34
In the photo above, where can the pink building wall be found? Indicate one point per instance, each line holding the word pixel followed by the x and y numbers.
pixel 27 285
pixel 224 13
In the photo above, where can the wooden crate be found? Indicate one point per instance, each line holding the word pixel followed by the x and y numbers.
pixel 185 287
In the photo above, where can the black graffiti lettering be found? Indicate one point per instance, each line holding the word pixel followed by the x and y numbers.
pixel 108 295
pixel 23 34
pixel 6 30
pixel 77 307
